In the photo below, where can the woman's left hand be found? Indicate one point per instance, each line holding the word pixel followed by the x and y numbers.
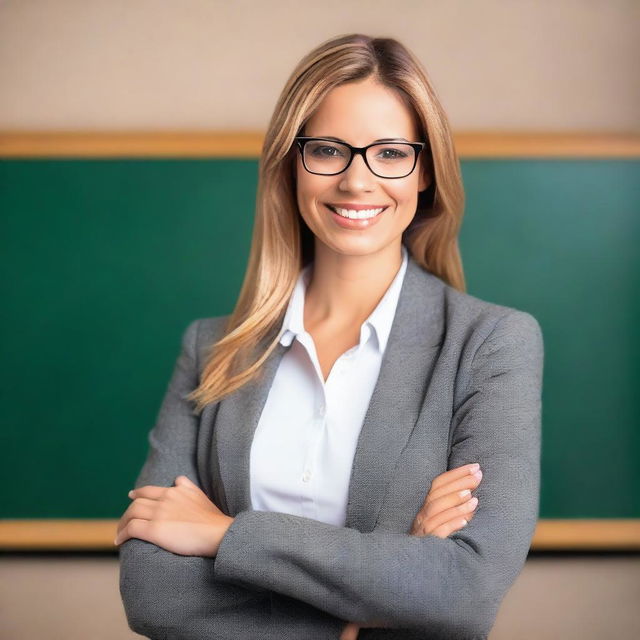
pixel 180 519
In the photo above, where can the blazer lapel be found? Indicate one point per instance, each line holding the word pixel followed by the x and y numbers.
pixel 414 341
pixel 236 421
pixel 416 333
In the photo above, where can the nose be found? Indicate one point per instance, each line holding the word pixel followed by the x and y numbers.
pixel 357 176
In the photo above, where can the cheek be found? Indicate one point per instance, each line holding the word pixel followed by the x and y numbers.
pixel 310 189
pixel 306 197
pixel 405 194
pixel 302 191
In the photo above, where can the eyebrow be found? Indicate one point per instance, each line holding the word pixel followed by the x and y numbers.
pixel 378 140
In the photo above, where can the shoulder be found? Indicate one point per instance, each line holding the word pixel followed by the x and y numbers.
pixel 490 320
pixel 210 329
pixel 486 339
pixel 496 337
pixel 472 321
pixel 201 333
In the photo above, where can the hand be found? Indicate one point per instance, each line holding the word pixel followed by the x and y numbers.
pixel 180 519
pixel 444 512
pixel 448 506
pixel 350 632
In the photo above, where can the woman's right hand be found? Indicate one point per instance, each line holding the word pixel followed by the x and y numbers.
pixel 449 505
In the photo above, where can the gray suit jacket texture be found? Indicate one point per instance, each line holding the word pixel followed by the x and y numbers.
pixel 460 382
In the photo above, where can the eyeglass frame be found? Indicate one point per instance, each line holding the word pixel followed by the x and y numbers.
pixel 417 148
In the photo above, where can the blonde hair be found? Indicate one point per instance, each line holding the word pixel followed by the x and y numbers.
pixel 282 243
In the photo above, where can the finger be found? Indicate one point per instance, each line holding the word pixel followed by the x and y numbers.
pixel 424 524
pixel 148 491
pixel 137 509
pixel 421 529
pixel 456 514
pixel 350 632
pixel 465 482
pixel 445 530
pixel 454 474
pixel 187 482
pixel 136 528
pixel 434 506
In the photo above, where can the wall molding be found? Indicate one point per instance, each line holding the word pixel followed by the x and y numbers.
pixel 97 535
pixel 248 144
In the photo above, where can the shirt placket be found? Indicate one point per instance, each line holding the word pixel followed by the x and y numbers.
pixel 309 479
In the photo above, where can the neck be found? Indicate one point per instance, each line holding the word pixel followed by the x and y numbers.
pixel 345 289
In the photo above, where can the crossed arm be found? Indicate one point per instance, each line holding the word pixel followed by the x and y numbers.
pixel 168 595
pixel 452 586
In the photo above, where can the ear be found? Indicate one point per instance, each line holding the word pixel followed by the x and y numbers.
pixel 425 177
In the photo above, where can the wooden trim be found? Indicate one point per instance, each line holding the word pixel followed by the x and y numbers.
pixel 58 535
pixel 547 145
pixel 248 144
pixel 98 535
pixel 593 534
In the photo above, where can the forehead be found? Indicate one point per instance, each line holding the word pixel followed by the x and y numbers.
pixel 361 112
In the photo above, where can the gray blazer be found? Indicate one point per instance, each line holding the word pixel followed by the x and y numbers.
pixel 460 382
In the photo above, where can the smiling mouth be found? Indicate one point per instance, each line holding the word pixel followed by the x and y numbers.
pixel 352 214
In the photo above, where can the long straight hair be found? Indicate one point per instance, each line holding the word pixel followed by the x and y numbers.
pixel 282 243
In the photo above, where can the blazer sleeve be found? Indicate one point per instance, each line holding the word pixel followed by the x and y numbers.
pixel 455 585
pixel 170 595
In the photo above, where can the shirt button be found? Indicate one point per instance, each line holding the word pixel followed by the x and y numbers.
pixel 306 476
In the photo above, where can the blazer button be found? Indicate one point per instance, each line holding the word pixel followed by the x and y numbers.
pixel 306 476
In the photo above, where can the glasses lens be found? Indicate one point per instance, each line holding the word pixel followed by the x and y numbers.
pixel 322 156
pixel 391 159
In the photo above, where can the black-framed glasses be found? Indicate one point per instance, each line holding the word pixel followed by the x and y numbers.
pixel 328 157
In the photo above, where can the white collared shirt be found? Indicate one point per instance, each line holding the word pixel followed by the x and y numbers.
pixel 303 447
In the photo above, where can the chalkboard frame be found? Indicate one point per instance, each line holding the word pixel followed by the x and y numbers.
pixel 97 534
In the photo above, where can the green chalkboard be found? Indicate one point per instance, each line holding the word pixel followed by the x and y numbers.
pixel 105 262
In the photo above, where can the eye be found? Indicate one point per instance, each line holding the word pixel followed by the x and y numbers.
pixel 325 151
pixel 391 154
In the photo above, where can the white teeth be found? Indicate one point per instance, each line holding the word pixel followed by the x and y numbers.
pixel 357 215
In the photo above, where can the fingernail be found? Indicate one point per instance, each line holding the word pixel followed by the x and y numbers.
pixel 115 541
pixel 464 493
pixel 130 494
pixel 474 467
pixel 473 502
pixel 478 474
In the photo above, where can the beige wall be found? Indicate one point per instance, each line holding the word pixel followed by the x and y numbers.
pixel 585 597
pixel 545 65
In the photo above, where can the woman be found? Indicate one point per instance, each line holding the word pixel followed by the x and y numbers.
pixel 284 491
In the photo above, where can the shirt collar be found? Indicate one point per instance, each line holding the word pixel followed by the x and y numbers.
pixel 379 320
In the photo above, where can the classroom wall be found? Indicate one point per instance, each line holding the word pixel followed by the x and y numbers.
pixel 526 65
pixel 158 65
pixel 499 65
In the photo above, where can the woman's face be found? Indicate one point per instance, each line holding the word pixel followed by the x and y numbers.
pixel 360 113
